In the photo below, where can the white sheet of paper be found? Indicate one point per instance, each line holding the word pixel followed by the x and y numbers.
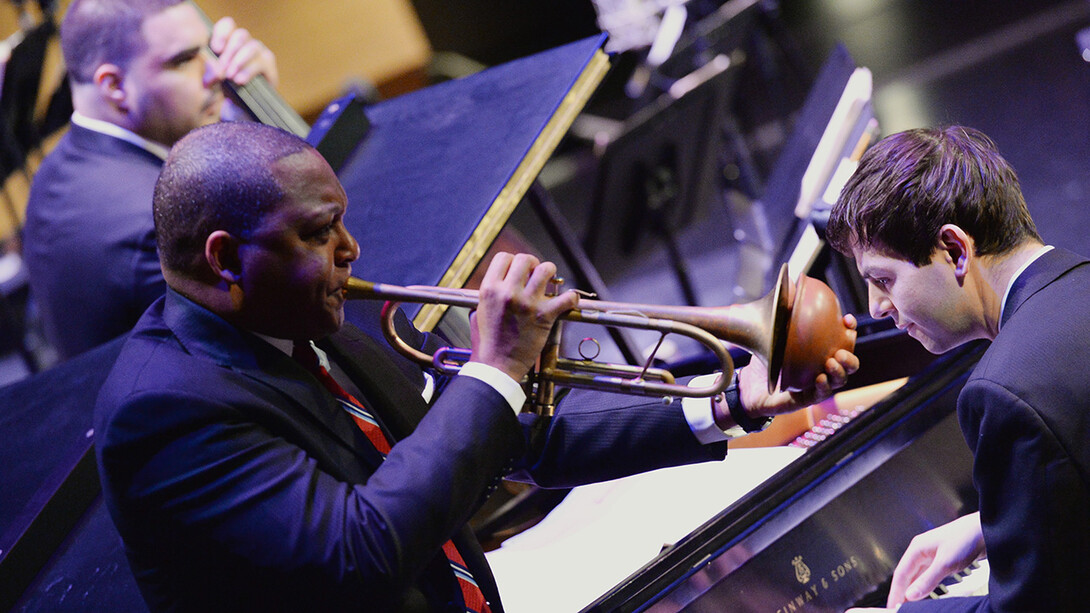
pixel 602 533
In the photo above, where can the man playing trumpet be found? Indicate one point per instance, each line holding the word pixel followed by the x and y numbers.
pixel 258 454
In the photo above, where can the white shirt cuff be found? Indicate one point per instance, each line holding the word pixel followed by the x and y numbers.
pixel 499 381
pixel 698 412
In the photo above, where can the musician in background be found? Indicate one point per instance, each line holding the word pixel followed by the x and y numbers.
pixel 938 226
pixel 231 462
pixel 140 80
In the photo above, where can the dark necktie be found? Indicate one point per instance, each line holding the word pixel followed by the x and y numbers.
pixel 304 354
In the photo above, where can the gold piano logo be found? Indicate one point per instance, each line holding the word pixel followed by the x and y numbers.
pixel 802 571
pixel 816 586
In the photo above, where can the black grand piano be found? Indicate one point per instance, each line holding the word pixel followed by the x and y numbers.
pixel 825 533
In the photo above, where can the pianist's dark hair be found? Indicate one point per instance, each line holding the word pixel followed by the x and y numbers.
pixel 911 183
pixel 96 32
pixel 217 177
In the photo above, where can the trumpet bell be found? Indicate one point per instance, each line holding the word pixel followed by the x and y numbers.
pixel 813 336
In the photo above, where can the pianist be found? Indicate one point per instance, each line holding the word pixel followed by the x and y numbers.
pixel 140 79
pixel 938 227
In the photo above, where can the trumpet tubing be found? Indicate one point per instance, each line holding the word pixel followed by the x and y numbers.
pixel 793 329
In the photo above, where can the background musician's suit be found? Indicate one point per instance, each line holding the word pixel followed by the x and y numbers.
pixel 93 265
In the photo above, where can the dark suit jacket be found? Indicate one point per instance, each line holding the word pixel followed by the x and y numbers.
pixel 237 483
pixel 89 239
pixel 1025 413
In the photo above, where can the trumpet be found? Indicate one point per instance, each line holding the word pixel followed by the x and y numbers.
pixel 793 329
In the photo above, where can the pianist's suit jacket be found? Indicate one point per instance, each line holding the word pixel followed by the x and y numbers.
pixel 89 239
pixel 1025 413
pixel 237 483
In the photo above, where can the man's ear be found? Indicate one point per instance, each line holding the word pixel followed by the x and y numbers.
pixel 958 247
pixel 221 253
pixel 108 80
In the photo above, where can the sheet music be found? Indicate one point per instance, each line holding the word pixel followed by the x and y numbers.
pixel 602 533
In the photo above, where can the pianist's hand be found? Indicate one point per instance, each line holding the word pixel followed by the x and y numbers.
pixel 753 383
pixel 934 555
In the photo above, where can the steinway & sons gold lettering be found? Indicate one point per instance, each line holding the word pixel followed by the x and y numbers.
pixel 815 585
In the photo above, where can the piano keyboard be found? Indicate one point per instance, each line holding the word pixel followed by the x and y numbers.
pixel 846 406
pixel 823 429
pixel 973 581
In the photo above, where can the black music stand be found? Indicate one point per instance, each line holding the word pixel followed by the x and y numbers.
pixel 773 82
pixel 657 174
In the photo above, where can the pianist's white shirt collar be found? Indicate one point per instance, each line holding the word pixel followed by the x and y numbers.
pixel 116 131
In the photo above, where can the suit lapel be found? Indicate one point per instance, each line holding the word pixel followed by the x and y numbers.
pixel 202 333
pixel 475 560
pixel 1043 271
pixel 389 392
pixel 396 398
pixel 282 375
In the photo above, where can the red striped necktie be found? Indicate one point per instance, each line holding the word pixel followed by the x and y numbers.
pixel 304 354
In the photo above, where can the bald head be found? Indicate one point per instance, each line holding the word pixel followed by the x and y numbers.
pixel 218 177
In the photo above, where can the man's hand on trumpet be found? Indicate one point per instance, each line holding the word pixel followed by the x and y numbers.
pixel 758 402
pixel 514 316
